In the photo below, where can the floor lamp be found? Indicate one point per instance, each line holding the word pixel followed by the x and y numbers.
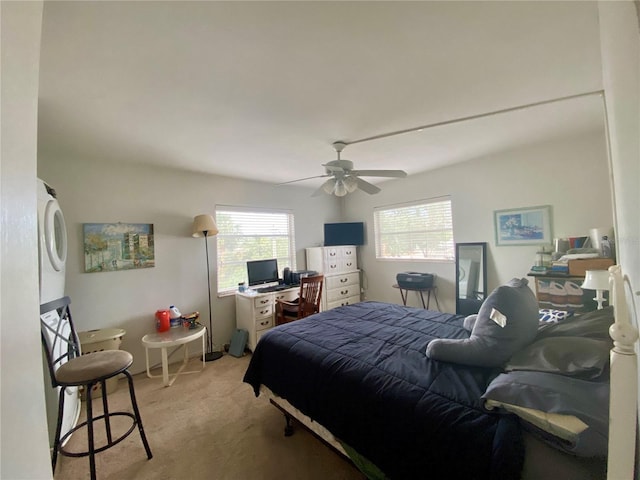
pixel 205 226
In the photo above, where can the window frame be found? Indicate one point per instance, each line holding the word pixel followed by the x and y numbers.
pixel 431 232
pixel 222 236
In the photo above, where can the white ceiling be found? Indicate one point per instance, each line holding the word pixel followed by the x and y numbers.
pixel 260 90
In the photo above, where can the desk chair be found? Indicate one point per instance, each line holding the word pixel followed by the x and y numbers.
pixel 307 303
pixel 72 369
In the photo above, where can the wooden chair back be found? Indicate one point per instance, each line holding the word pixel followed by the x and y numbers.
pixel 310 295
pixel 307 303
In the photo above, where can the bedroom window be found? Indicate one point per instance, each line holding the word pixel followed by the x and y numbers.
pixel 417 231
pixel 251 234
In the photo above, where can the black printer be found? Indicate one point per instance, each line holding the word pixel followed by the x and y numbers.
pixel 415 280
pixel 296 275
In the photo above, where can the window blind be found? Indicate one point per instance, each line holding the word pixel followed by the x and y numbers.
pixel 416 231
pixel 251 234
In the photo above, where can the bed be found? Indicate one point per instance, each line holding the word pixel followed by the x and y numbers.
pixel 359 377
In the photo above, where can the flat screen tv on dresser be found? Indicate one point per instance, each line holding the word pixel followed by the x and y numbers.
pixel 344 233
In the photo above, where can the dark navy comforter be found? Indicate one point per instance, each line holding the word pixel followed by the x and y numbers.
pixel 361 372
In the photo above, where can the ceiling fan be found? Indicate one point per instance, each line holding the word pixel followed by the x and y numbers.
pixel 344 179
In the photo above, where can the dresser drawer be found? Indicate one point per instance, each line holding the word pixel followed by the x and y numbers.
pixel 342 292
pixel 264 311
pixel 287 295
pixel 264 323
pixel 262 301
pixel 343 302
pixel 337 281
pixel 349 253
pixel 348 265
pixel 331 254
pixel 332 266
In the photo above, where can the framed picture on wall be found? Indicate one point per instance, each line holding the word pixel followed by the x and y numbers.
pixel 118 246
pixel 523 226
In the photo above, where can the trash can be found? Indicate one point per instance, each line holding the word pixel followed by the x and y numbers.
pixel 97 341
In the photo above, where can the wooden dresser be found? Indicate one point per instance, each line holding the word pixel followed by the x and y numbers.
pixel 339 265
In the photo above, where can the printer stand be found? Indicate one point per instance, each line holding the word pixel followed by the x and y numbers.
pixel 404 293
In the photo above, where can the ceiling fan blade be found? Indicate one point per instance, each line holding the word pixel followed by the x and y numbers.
pixel 380 173
pixel 301 179
pixel 367 187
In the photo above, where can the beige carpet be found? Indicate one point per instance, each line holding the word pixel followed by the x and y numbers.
pixel 207 425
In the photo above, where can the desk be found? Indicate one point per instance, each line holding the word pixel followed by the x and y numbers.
pixel 404 293
pixel 173 337
pixel 255 312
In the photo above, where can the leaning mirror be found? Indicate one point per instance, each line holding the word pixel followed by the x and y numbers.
pixel 471 277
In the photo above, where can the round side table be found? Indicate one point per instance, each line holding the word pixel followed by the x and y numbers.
pixel 173 337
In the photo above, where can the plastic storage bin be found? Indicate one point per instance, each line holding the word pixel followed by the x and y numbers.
pixel 97 341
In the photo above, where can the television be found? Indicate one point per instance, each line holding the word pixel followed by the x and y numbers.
pixel 345 233
pixel 262 271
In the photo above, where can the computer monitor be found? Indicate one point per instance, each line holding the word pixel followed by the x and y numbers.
pixel 262 271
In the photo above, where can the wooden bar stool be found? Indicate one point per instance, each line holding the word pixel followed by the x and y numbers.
pixel 70 369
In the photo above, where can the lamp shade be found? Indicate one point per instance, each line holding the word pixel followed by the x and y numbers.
pixel 329 185
pixel 204 225
pixel 340 189
pixel 351 183
pixel 596 280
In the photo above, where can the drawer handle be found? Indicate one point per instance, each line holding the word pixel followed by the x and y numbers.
pixel 332 254
pixel 349 264
pixel 264 311
pixel 333 266
pixel 265 323
pixel 344 292
pixel 343 280
pixel 344 303
pixel 264 301
pixel 348 252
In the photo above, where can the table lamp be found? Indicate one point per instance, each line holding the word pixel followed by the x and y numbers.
pixel 205 226
pixel 597 280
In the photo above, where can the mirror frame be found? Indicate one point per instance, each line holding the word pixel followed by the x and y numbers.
pixel 467 309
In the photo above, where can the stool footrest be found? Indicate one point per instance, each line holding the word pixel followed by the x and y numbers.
pixel 104 447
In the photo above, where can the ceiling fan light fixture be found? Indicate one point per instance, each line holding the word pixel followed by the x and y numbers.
pixel 351 184
pixel 340 190
pixel 329 185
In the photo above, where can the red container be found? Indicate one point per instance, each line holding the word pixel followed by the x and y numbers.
pixel 163 320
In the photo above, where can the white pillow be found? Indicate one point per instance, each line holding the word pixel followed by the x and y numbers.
pixel 566 427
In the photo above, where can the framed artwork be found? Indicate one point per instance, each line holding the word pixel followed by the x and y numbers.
pixel 118 246
pixel 523 226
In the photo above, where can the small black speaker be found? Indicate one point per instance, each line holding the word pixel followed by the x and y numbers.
pixel 286 276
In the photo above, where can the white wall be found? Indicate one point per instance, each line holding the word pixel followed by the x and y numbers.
pixel 570 175
pixel 91 191
pixel 24 441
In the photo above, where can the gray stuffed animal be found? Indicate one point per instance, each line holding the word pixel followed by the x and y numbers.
pixel 507 321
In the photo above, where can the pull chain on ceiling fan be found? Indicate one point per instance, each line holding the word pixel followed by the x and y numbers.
pixel 344 179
